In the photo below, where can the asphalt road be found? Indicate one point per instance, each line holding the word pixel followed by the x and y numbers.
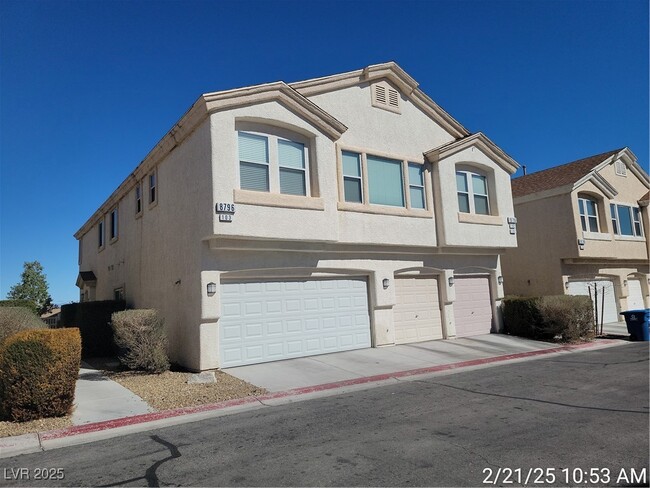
pixel 576 419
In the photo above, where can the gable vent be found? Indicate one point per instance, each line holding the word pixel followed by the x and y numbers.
pixel 620 168
pixel 385 96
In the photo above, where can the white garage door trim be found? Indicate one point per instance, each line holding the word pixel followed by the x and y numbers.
pixel 473 305
pixel 270 320
pixel 581 287
pixel 416 313
pixel 634 295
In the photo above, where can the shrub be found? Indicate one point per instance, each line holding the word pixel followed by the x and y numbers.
pixel 521 317
pixel 20 303
pixel 15 319
pixel 567 318
pixel 141 333
pixel 94 322
pixel 38 373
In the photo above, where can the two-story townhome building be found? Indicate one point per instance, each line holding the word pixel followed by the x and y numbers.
pixel 285 220
pixel 582 230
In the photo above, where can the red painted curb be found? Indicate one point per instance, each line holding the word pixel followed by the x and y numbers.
pixel 165 414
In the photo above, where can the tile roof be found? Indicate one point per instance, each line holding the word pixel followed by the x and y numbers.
pixel 557 176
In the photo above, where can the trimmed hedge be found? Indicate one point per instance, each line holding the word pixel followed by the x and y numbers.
pixel 558 318
pixel 141 334
pixel 20 303
pixel 15 319
pixel 93 320
pixel 38 373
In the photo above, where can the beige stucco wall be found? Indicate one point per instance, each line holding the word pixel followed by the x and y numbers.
pixel 155 251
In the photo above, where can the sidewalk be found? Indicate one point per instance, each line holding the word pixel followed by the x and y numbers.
pixel 105 409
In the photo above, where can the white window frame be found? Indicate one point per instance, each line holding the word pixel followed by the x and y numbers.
pixel 584 215
pixel 153 193
pixel 101 234
pixel 274 166
pixel 138 199
pixel 114 221
pixel 616 225
pixel 365 187
pixel 468 174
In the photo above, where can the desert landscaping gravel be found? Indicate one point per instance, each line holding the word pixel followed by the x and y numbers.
pixel 170 389
pixel 19 428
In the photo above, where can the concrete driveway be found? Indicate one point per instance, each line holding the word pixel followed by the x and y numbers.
pixel 348 365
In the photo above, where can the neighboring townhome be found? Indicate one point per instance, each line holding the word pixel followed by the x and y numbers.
pixel 285 220
pixel 582 230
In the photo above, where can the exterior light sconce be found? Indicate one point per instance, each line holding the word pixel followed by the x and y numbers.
pixel 648 281
pixel 451 281
pixel 566 285
pixel 500 280
pixel 581 244
pixel 624 282
pixel 385 282
pixel 212 289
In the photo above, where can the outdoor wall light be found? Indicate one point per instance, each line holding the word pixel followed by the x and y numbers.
pixel 212 289
pixel 385 282
pixel 566 285
pixel 500 280
pixel 451 281
pixel 624 282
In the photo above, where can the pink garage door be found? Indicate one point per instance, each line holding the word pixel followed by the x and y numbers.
pixel 473 306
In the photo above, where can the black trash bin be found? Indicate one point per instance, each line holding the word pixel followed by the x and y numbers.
pixel 638 324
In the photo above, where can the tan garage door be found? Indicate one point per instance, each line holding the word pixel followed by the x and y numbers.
pixel 417 312
pixel 473 306
pixel 634 295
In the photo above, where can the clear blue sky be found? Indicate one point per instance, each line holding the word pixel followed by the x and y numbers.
pixel 89 87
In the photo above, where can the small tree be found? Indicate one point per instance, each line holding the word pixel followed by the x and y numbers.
pixel 32 286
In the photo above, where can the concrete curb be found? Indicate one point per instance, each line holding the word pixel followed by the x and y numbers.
pixel 80 434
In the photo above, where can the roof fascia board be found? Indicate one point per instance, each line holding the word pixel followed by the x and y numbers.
pixel 480 141
pixel 553 192
pixel 394 73
pixel 598 181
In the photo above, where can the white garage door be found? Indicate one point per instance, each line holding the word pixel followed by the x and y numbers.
pixel 273 320
pixel 610 313
pixel 417 311
pixel 635 295
pixel 473 306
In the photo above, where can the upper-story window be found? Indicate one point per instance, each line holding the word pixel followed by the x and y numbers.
pixel 114 224
pixel 588 214
pixel 153 188
pixel 270 163
pixel 138 199
pixel 626 220
pixel 100 234
pixel 472 191
pixel 620 168
pixel 382 181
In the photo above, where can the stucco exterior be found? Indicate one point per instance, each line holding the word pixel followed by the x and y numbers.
pixel 167 256
pixel 554 250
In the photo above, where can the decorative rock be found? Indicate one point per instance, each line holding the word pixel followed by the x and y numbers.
pixel 204 377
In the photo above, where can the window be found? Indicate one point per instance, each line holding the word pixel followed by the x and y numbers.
pixel 153 195
pixel 114 223
pixel 390 182
pixel 118 293
pixel 352 184
pixel 626 220
pixel 138 198
pixel 472 191
pixel 385 96
pixel 620 168
pixel 100 234
pixel 588 214
pixel 270 163
pixel 81 249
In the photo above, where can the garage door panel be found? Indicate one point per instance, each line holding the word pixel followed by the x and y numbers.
pixel 268 321
pixel 473 306
pixel 416 314
pixel 635 295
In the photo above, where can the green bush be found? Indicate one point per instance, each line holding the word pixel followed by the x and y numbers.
pixel 38 373
pixel 521 317
pixel 560 318
pixel 15 319
pixel 141 334
pixel 567 318
pixel 20 303
pixel 94 322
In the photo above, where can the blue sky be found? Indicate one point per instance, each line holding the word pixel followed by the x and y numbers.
pixel 89 87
